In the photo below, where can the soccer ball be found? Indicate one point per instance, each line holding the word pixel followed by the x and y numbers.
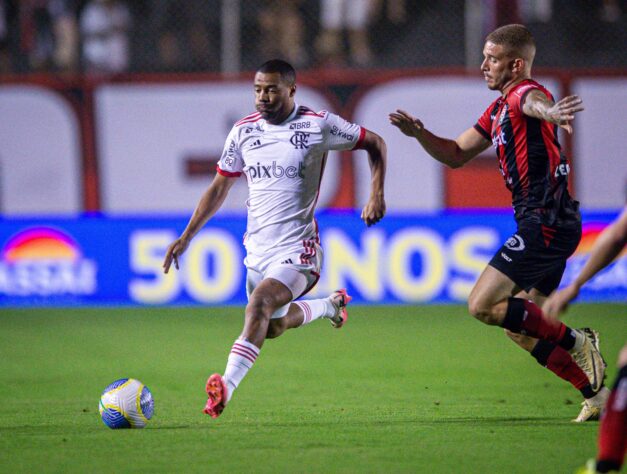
pixel 126 403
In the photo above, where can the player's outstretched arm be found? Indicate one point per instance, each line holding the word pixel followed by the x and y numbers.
pixel 606 248
pixel 208 205
pixel 560 113
pixel 453 153
pixel 374 210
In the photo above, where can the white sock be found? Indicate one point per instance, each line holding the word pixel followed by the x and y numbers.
pixel 241 359
pixel 315 309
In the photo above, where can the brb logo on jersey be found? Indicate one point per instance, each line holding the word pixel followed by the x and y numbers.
pixel 300 140
pixel 259 172
pixel 42 261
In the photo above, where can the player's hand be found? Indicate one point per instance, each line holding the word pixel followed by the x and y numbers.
pixel 373 211
pixel 410 126
pixel 175 250
pixel 557 303
pixel 563 111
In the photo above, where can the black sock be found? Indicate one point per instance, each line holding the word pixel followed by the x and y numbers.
pixel 568 341
pixel 514 315
pixel 542 351
pixel 607 466
pixel 587 391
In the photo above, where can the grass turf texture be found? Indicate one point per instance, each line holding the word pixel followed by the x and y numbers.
pixel 399 389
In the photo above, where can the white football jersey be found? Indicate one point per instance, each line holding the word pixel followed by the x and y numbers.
pixel 284 165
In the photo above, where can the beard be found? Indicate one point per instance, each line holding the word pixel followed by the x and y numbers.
pixel 268 115
pixel 271 115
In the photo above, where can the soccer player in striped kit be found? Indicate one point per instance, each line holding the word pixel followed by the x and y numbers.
pixel 522 126
pixel 281 149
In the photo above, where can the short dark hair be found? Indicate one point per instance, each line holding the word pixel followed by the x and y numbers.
pixel 285 69
pixel 517 39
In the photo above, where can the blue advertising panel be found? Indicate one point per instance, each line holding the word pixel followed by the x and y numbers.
pixel 425 258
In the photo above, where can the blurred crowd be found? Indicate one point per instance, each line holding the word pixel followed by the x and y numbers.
pixel 114 36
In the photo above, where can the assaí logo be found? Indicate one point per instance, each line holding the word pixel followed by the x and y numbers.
pixel 43 261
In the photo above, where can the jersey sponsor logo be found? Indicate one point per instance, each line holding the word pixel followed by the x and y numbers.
pixel 300 140
pixel 563 169
pixel 516 243
pixel 506 257
pixel 300 125
pixel 499 139
pixel 228 157
pixel 336 131
pixel 228 154
pixel 259 172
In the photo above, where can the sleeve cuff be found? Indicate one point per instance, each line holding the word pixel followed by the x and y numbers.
pixel 228 174
pixel 485 134
pixel 360 140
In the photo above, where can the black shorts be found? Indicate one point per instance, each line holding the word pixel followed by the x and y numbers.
pixel 535 256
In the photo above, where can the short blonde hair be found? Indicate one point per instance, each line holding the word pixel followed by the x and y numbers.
pixel 516 39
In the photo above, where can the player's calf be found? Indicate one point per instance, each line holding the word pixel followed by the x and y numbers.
pixel 276 327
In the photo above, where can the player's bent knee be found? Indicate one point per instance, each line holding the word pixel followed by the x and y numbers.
pixel 474 306
pixel 479 310
pixel 260 308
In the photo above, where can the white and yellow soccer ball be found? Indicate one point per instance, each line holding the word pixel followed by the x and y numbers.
pixel 126 403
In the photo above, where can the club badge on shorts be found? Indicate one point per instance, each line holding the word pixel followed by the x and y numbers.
pixel 516 243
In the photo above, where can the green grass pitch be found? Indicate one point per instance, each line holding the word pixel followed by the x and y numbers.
pixel 420 389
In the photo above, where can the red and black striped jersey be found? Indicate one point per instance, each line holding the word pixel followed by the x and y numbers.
pixel 530 157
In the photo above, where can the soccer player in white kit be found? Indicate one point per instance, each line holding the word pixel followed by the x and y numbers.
pixel 282 150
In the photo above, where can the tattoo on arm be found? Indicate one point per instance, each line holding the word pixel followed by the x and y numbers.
pixel 537 105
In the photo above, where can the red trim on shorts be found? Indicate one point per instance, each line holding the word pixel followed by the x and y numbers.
pixel 228 174
pixel 307 290
pixel 310 251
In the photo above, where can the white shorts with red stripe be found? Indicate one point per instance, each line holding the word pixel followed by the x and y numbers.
pixel 298 268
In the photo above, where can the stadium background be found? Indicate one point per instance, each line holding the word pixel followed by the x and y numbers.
pixel 112 121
